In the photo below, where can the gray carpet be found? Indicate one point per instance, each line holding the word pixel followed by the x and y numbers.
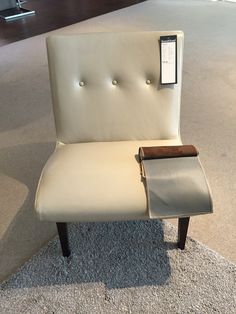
pixel 122 267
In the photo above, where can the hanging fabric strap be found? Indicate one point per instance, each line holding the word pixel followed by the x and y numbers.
pixel 175 183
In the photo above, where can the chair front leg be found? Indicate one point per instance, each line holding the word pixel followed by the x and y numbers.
pixel 63 236
pixel 182 232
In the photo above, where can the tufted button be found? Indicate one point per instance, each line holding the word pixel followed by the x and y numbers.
pixel 148 82
pixel 114 82
pixel 81 83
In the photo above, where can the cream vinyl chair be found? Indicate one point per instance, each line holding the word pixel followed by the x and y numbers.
pixel 107 102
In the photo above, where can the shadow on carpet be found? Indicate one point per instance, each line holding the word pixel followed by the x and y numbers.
pixel 122 267
pixel 119 254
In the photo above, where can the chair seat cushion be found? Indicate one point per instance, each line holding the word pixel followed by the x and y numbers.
pixel 98 181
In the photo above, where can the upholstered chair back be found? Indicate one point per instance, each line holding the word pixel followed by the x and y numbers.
pixel 106 87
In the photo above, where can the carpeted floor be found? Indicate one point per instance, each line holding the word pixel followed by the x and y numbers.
pixel 123 267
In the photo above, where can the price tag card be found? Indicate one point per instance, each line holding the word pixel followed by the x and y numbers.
pixel 168 52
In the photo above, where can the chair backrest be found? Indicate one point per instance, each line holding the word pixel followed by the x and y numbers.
pixel 106 87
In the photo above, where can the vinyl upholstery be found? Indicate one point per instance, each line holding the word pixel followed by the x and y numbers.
pixel 107 102
pixel 97 181
pixel 100 110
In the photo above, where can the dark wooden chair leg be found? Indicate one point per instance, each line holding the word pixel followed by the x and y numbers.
pixel 182 232
pixel 63 236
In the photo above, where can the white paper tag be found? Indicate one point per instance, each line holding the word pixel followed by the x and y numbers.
pixel 168 59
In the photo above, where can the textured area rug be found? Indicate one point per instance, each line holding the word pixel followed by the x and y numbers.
pixel 122 267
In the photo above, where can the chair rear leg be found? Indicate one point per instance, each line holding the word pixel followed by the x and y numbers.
pixel 182 232
pixel 63 236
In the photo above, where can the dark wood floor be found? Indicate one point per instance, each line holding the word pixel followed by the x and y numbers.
pixel 53 14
